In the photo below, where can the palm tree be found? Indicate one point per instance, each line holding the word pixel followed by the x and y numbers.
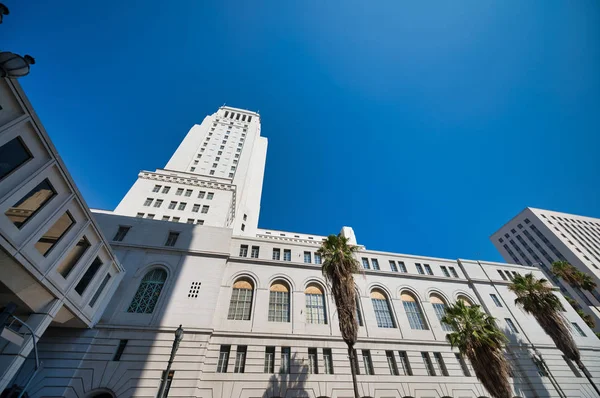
pixel 339 265
pixel 537 298
pixel 478 338
pixel 573 276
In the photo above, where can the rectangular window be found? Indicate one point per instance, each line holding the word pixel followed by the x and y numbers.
pixel 73 257
pixel 172 205
pixel 307 257
pixel 150 216
pixel 511 325
pixel 572 366
pixel 496 300
pixel 445 271
pixel 317 258
pixel 172 238
pixel 223 359
pixel 244 251
pixel 230 175
pixel 402 266
pixel 204 209
pixel 365 263
pixel 428 269
pixel 375 264
pixel 276 254
pixel 392 365
pixel 88 276
pixel 405 364
pixel 240 359
pixel 166 189
pixel 419 269
pixel 182 206
pixel 313 362
pixel 440 363
pixel 158 203
pixel 156 188
pixel 269 360
pixel 54 234
pixel 120 349
pixel 328 361
pixel 179 191
pixel 502 275
pixel 285 360
pixel 188 192
pixel 210 195
pixel 13 154
pixel 99 291
pixel 367 362
pixel 190 220
pixel 175 219
pixel 453 272
pixel 166 218
pixel 393 266
pixel 243 227
pixel 578 329
pixel 139 215
pixel 428 364
pixel 463 364
pixel 201 194
pixel 254 252
pixel 30 204
pixel 287 255
pixel 195 208
pixel 200 222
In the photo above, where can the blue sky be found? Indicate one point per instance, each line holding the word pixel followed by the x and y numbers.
pixel 423 125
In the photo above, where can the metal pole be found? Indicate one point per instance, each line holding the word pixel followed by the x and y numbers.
pixel 163 384
pixel 37 358
pixel 588 376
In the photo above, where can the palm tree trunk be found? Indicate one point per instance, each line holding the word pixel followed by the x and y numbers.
pixel 353 370
pixel 587 375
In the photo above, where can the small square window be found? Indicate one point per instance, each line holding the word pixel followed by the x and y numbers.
pixel 190 220
pixel 166 189
pixel 188 192
pixel 172 205
pixel 176 219
pixel 172 239
pixel 201 194
pixel 212 173
pixel 210 195
pixel 204 209
pixel 179 191
pixel 156 188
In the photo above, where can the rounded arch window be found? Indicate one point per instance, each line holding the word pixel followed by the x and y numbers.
pixel 439 306
pixel 465 300
pixel 240 305
pixel 279 302
pixel 315 304
pixel 413 311
pixel 148 292
pixel 382 308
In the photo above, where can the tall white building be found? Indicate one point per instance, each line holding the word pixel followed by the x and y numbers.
pixel 258 316
pixel 214 178
pixel 536 237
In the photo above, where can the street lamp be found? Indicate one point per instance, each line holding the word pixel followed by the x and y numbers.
pixel 178 338
pixel 13 65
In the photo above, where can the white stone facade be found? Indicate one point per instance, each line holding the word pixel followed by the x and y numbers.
pixel 537 237
pixel 258 297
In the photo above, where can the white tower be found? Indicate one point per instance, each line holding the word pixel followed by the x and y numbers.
pixel 214 177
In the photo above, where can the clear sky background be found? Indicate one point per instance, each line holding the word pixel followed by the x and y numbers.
pixel 423 125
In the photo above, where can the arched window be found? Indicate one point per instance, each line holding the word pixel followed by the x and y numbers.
pixel 279 302
pixel 146 297
pixel 240 305
pixel 465 300
pixel 383 311
pixel 439 306
pixel 315 305
pixel 413 312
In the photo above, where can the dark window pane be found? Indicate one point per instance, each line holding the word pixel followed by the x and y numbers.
pixel 100 289
pixel 88 276
pixel 54 234
pixel 12 155
pixel 73 257
pixel 30 204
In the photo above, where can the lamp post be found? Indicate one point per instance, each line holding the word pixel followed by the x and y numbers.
pixel 13 65
pixel 178 338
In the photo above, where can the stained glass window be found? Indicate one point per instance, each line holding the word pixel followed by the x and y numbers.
pixel 147 295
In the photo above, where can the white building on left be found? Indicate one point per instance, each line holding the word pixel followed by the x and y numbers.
pixel 55 264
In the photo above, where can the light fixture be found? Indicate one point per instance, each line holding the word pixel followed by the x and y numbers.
pixel 13 65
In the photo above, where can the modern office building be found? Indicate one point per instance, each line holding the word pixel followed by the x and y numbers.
pixel 257 315
pixel 536 237
pixel 55 265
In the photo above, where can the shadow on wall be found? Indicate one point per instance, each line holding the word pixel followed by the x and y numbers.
pixel 289 385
